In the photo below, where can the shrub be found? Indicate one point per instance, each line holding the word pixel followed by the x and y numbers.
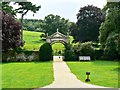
pixel 70 56
pixel 85 49
pixel 99 54
pixel 8 56
pixel 4 57
pixel 69 53
pixel 45 52
pixel 96 45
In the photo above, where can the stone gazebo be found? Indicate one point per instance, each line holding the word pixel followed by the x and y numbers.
pixel 58 37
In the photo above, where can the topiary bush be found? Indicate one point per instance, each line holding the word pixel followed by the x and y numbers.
pixel 45 52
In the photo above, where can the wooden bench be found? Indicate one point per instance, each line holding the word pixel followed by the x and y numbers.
pixel 84 58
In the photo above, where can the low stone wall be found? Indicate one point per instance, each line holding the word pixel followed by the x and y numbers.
pixel 21 56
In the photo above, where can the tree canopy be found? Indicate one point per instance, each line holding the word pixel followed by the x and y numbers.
pixel 89 19
pixel 74 31
pixel 33 25
pixel 54 22
pixel 10 32
pixel 7 8
pixel 23 8
pixel 110 31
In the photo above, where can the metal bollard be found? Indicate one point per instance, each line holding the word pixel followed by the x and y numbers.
pixel 88 78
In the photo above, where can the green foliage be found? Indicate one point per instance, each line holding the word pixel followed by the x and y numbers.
pixel 26 6
pixel 89 19
pixel 23 9
pixel 58 47
pixel 118 47
pixel 98 54
pixel 42 36
pixel 72 53
pixel 7 8
pixel 45 52
pixel 54 22
pixel 110 49
pixel 33 41
pixel 32 25
pixel 85 49
pixel 74 31
pixel 69 53
pixel 109 31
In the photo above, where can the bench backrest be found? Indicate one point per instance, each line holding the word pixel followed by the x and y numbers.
pixel 84 58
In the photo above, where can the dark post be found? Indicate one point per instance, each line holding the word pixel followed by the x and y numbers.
pixel 88 79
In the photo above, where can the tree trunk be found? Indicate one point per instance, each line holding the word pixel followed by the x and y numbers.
pixel 22 26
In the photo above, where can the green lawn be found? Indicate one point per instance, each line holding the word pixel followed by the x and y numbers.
pixel 32 40
pixel 103 73
pixel 57 47
pixel 27 74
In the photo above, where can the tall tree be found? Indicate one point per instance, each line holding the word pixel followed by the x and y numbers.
pixel 54 22
pixel 23 9
pixel 74 31
pixel 110 31
pixel 5 6
pixel 89 19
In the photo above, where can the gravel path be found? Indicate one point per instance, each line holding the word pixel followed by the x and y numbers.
pixel 64 78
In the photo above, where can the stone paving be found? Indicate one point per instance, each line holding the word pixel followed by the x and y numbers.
pixel 63 78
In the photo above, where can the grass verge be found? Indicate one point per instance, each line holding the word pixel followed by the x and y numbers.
pixel 103 73
pixel 27 74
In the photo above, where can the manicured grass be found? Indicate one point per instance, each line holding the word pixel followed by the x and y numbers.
pixel 27 74
pixel 103 73
pixel 0 76
pixel 32 40
pixel 56 47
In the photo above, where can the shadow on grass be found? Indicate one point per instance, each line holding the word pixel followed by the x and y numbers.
pixel 117 69
pixel 18 62
pixel 37 62
pixel 40 41
pixel 5 63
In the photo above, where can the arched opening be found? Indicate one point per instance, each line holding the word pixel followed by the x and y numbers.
pixel 58 48
pixel 58 42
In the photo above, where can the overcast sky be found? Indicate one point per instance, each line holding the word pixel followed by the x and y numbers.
pixel 65 8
